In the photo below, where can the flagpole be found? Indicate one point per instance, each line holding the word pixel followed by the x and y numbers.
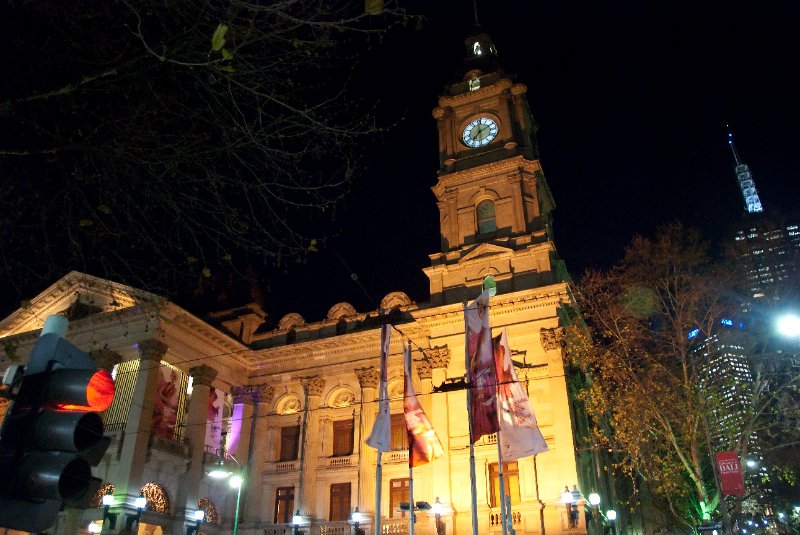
pixel 472 478
pixel 407 377
pixel 503 513
pixel 382 394
pixel 378 482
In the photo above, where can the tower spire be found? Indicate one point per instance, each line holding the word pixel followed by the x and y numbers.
pixel 751 201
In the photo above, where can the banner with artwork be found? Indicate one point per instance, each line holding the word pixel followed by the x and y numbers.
pixel 216 402
pixel 730 473
pixel 171 382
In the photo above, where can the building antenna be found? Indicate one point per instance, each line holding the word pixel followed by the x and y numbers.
pixel 752 203
pixel 732 146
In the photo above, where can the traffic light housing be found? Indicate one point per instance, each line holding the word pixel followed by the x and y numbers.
pixel 52 435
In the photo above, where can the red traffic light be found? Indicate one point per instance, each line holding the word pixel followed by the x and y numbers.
pixel 81 390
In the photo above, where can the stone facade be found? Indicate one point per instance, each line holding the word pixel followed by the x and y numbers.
pixel 289 402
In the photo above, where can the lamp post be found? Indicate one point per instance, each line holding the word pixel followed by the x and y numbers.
pixel 199 515
pixel 108 501
pixel 437 509
pixel 296 519
pixel 611 515
pixel 566 499
pixel 236 483
pixel 140 503
pixel 594 500
pixel 356 519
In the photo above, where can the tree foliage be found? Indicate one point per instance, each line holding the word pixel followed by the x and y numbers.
pixel 651 345
pixel 151 141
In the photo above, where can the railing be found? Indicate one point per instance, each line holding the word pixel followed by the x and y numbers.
pixel 394 526
pixel 396 456
pixel 170 446
pixel 336 462
pixel 279 529
pixel 335 528
pixel 286 466
pixel 496 519
pixel 489 439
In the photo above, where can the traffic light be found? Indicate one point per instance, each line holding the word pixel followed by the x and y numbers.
pixel 52 434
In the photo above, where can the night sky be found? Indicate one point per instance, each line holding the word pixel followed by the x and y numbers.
pixel 631 101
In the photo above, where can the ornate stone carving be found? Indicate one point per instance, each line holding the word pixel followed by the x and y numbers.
pixel 424 369
pixel 438 356
pixel 289 405
pixel 395 300
pixel 290 321
pixel 202 375
pixel 396 390
pixel 263 393
pixel 251 394
pixel 152 349
pixel 368 377
pixel 341 310
pixel 105 359
pixel 313 385
pixel 552 338
pixel 343 397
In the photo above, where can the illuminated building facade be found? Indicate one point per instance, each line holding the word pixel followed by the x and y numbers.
pixel 290 408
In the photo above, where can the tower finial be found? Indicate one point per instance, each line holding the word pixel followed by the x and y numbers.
pixel 751 201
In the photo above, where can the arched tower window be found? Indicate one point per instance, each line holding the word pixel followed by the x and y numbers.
pixel 486 220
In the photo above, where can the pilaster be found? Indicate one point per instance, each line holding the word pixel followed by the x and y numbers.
pixel 262 437
pixel 368 378
pixel 313 387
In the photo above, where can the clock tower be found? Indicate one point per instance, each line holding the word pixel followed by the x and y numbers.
pixel 494 203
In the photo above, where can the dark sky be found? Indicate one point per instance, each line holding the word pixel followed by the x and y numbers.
pixel 631 101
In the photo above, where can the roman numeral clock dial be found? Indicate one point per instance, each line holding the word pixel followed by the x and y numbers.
pixel 479 132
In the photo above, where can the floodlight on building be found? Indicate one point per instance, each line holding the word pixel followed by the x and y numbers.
pixel 789 325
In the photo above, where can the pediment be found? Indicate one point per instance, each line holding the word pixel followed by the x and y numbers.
pixel 485 250
pixel 76 295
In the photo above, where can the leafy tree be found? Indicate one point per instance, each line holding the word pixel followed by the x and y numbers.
pixel 653 331
pixel 154 142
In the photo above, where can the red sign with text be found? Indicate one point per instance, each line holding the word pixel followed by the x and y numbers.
pixel 730 473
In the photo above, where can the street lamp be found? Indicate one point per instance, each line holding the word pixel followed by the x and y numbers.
pixel 567 499
pixel 438 509
pixel 140 503
pixel 108 501
pixel 594 500
pixel 199 515
pixel 611 515
pixel 296 520
pixel 356 519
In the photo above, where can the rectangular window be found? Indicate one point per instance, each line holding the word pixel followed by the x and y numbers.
pixel 398 493
pixel 340 502
pixel 284 505
pixel 342 437
pixel 399 432
pixel 510 479
pixel 290 440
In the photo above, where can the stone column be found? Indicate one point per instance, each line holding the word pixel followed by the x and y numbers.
pixel 196 422
pixel 439 359
pixel 242 395
pixel 313 387
pixel 259 448
pixel 133 453
pixel 368 378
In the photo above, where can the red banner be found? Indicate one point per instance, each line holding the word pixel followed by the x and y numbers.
pixel 481 368
pixel 423 442
pixel 730 473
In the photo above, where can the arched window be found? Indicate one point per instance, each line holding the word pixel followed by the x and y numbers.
pixel 486 221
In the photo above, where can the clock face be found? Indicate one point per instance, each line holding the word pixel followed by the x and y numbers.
pixel 479 132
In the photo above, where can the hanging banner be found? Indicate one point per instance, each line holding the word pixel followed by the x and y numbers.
pixel 165 405
pixel 423 442
pixel 216 400
pixel 730 473
pixel 481 368
pixel 520 435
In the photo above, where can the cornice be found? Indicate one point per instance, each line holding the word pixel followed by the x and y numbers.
pixel 493 90
pixel 457 179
